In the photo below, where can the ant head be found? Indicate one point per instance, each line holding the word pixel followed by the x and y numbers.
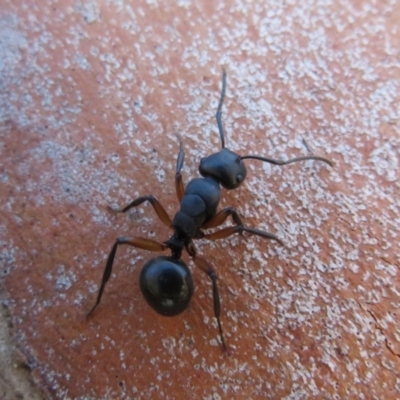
pixel 167 285
pixel 226 167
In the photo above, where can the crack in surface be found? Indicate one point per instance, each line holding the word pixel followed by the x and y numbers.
pixel 379 328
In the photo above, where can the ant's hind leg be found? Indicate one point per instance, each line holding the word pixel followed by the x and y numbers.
pixel 206 267
pixel 141 243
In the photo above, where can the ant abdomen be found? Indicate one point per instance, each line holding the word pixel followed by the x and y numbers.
pixel 167 285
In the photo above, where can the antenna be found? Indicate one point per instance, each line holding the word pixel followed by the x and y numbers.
pixel 219 109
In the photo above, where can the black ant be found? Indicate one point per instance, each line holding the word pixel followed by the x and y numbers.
pixel 166 281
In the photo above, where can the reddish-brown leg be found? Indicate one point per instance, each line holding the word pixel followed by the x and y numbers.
pixel 141 243
pixel 222 216
pixel 206 267
pixel 231 230
pixel 179 186
pixel 158 208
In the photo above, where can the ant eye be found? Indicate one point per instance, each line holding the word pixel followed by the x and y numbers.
pixel 239 178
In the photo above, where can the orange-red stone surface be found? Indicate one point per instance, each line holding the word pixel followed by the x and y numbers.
pixel 92 96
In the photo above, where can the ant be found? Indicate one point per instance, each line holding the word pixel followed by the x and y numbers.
pixel 166 281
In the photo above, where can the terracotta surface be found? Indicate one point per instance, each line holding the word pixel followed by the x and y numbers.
pixel 92 96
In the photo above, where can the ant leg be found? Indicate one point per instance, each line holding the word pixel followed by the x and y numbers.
pixel 231 230
pixel 141 243
pixel 206 267
pixel 158 208
pixel 221 217
pixel 180 188
pixel 218 115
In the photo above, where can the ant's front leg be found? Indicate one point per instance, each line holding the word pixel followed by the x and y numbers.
pixel 179 186
pixel 158 208
pixel 141 243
